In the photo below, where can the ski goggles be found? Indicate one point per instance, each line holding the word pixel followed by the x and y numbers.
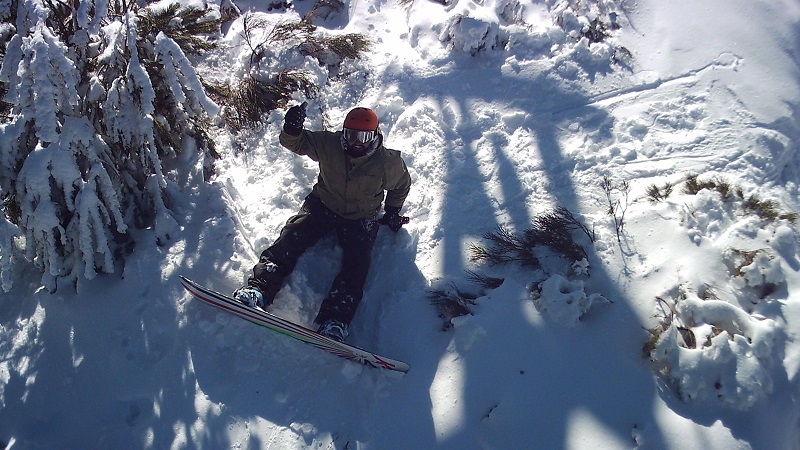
pixel 357 136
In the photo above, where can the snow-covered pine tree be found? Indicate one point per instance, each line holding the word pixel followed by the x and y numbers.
pixel 100 105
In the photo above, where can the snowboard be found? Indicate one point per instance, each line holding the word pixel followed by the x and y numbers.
pixel 288 328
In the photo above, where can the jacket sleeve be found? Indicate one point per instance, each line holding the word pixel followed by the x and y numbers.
pixel 398 181
pixel 305 144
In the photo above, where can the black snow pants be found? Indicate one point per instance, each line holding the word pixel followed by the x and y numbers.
pixel 312 222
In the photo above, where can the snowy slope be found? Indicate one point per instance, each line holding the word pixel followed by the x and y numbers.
pixel 492 136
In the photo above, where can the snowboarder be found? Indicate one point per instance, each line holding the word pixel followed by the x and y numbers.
pixel 356 173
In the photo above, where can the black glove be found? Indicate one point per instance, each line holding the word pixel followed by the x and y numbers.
pixel 393 219
pixel 294 118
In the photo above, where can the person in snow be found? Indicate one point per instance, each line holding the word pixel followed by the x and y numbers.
pixel 356 174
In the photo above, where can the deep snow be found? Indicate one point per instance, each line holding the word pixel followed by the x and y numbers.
pixel 492 136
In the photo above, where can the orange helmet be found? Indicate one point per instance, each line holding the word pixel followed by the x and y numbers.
pixel 363 119
pixel 360 134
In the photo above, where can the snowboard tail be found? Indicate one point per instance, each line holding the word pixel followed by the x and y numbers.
pixel 291 329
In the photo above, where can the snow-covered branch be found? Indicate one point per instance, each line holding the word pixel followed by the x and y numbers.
pixel 84 151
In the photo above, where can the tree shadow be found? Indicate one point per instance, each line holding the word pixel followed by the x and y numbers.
pixel 99 369
pixel 124 363
pixel 468 210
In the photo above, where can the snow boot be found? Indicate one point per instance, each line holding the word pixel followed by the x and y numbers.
pixel 250 297
pixel 333 329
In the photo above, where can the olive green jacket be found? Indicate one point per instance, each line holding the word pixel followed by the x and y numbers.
pixel 353 188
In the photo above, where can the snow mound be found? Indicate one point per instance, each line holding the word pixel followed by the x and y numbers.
pixel 720 339
pixel 565 301
pixel 713 351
